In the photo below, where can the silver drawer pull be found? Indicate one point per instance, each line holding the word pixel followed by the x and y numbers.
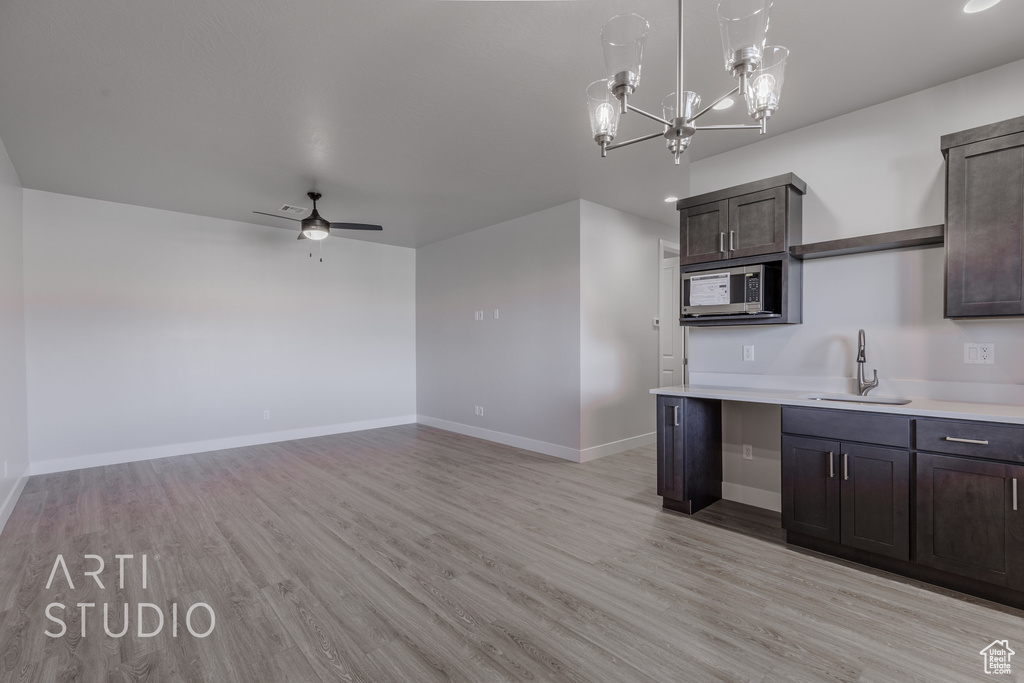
pixel 675 416
pixel 846 466
pixel 831 465
pixel 956 440
pixel 1014 494
pixel 721 242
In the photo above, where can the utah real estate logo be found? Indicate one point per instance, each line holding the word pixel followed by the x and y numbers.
pixel 997 657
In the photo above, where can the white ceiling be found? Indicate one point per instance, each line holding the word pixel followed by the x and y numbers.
pixel 432 118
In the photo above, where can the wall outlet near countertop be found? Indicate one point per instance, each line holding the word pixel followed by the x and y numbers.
pixel 748 452
pixel 748 352
pixel 983 353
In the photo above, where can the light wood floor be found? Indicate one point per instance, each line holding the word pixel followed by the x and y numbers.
pixel 413 554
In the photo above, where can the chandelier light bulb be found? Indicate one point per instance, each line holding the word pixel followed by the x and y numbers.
pixel 604 114
pixel 605 117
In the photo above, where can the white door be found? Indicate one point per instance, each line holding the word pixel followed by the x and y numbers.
pixel 670 333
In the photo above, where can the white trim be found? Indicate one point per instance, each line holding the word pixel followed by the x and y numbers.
pixel 12 499
pixel 769 500
pixel 154 452
pixel 543 447
pixel 595 452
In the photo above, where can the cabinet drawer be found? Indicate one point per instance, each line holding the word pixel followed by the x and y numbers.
pixel 846 425
pixel 977 439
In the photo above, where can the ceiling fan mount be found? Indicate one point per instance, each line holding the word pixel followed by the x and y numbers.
pixel 315 227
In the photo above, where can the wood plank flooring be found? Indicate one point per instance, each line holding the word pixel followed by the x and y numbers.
pixel 414 554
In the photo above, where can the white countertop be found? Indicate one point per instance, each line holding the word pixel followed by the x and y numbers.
pixel 921 407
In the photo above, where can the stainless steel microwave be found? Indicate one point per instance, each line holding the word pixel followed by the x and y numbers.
pixel 742 290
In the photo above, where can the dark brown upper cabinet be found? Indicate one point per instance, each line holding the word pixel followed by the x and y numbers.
pixel 762 217
pixel 985 221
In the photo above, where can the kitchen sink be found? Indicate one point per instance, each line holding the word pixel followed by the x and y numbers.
pixel 850 398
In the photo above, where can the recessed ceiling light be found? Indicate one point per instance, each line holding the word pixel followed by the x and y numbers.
pixel 728 101
pixel 974 6
pixel 669 200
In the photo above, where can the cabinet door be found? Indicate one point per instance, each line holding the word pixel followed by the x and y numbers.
pixel 757 223
pixel 985 228
pixel 969 521
pixel 810 487
pixel 702 233
pixel 671 464
pixel 876 499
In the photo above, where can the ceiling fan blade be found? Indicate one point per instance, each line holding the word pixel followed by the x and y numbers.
pixel 355 226
pixel 274 215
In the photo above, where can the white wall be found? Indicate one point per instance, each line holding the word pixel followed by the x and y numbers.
pixel 567 367
pixel 13 412
pixel 153 333
pixel 524 367
pixel 874 170
pixel 619 273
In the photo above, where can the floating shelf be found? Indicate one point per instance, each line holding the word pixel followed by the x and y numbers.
pixel 723 320
pixel 900 239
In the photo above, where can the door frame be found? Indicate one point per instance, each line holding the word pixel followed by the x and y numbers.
pixel 666 247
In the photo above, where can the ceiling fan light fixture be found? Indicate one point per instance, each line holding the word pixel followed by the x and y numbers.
pixel 315 228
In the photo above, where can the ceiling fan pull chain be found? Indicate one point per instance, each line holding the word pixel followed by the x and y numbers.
pixel 321 242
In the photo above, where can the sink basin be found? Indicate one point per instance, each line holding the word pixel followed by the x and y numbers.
pixel 850 398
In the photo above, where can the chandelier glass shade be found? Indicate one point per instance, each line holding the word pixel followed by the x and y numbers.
pixel 759 70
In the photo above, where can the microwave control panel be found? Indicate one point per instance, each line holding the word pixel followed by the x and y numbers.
pixel 753 289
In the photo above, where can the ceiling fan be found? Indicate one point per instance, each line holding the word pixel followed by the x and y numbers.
pixel 314 227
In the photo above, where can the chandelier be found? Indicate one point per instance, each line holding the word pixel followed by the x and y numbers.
pixel 757 68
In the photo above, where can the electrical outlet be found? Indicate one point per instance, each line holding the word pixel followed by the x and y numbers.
pixel 748 352
pixel 748 452
pixel 266 414
pixel 479 410
pixel 478 315
pixel 980 354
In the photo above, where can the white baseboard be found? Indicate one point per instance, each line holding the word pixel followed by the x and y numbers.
pixel 534 445
pixel 154 452
pixel 12 499
pixel 543 447
pixel 595 452
pixel 760 498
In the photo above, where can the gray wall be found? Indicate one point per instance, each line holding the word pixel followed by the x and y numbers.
pixel 152 333
pixel 522 368
pixel 13 412
pixel 619 274
pixel 874 170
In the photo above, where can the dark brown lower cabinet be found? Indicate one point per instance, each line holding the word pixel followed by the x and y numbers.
pixel 689 452
pixel 849 493
pixel 969 519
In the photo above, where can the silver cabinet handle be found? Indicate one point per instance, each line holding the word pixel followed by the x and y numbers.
pixel 721 242
pixel 732 234
pixel 846 466
pixel 675 416
pixel 1014 494
pixel 956 440
pixel 831 465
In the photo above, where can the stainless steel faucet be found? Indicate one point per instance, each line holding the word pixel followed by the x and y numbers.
pixel 863 387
